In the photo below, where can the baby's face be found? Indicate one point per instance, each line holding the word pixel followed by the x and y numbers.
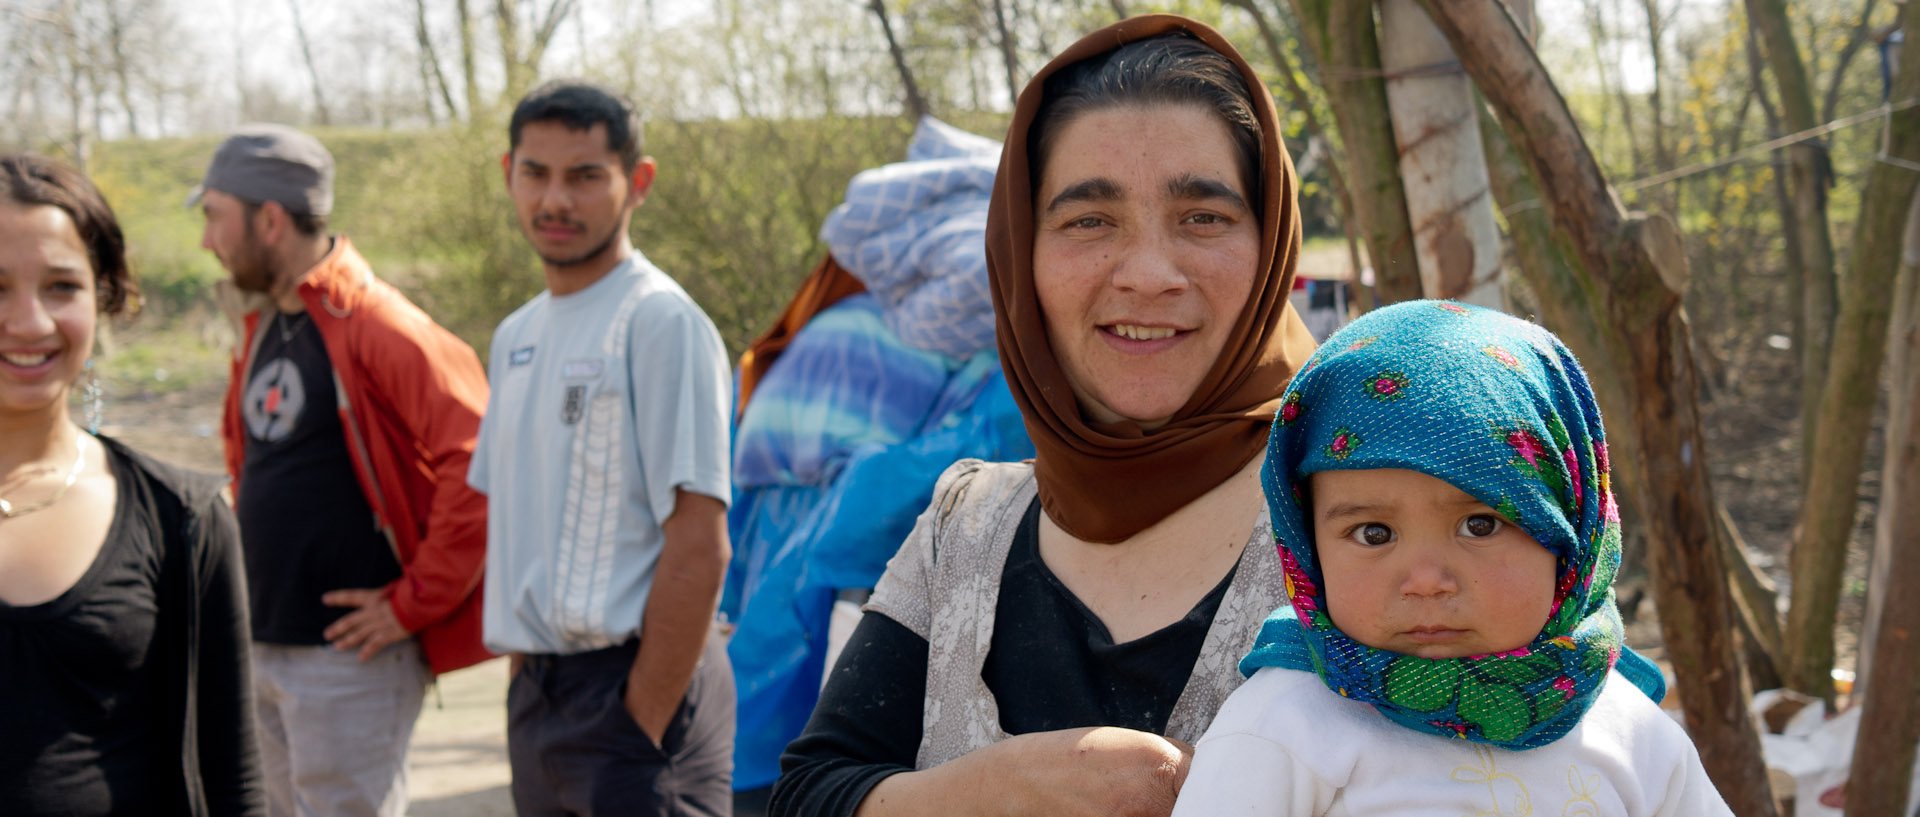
pixel 1414 565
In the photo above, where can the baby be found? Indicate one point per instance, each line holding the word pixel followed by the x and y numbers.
pixel 1438 483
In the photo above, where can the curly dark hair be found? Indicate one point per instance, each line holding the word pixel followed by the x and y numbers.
pixel 33 180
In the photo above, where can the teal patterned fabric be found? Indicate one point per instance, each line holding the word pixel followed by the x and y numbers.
pixel 1499 408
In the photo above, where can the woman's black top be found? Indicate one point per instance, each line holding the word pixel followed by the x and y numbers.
pixel 82 729
pixel 1051 665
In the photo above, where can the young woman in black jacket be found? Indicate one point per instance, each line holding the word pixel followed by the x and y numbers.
pixel 123 613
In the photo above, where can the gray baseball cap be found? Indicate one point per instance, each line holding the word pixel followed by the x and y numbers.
pixel 262 163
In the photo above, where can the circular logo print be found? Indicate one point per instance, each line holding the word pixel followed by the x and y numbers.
pixel 274 399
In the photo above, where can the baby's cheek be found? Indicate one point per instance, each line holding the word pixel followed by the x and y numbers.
pixel 1359 620
pixel 1525 598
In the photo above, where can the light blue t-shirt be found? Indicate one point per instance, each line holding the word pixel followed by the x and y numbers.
pixel 604 402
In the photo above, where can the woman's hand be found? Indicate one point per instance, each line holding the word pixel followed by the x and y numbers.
pixel 1097 771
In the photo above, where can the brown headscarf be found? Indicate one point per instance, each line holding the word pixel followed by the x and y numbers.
pixel 1105 482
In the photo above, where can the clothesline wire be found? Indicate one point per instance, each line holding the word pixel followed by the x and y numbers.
pixel 1775 144
pixel 1768 146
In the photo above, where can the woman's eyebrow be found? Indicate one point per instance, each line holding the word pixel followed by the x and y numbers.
pixel 1097 189
pixel 1193 188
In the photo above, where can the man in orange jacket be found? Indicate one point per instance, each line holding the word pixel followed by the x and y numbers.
pixel 349 422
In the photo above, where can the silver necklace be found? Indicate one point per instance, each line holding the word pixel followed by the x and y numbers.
pixel 283 322
pixel 8 511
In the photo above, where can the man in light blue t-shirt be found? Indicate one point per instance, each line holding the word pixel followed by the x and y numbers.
pixel 604 457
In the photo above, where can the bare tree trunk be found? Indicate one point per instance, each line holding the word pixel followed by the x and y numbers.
pixel 118 20
pixel 975 85
pixel 1851 382
pixel 506 25
pixel 1442 163
pixel 1597 29
pixel 1789 222
pixel 28 62
pixel 1903 339
pixel 76 58
pixel 1032 11
pixel 430 64
pixel 306 51
pixel 1298 98
pixel 239 73
pixel 916 104
pixel 1656 35
pixel 1119 9
pixel 1809 641
pixel 557 12
pixel 1638 270
pixel 472 82
pixel 1007 55
pixel 90 72
pixel 1890 716
pixel 522 59
pixel 1341 34
pixel 1666 197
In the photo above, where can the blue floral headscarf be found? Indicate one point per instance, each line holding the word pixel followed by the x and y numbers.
pixel 1500 409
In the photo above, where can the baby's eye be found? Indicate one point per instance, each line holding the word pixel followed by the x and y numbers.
pixel 1481 525
pixel 1372 534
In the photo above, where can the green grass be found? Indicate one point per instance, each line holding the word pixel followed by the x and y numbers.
pixel 166 357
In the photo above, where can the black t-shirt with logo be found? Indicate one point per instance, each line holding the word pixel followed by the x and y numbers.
pixel 305 526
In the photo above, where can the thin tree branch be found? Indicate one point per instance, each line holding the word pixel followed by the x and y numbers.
pixel 1862 31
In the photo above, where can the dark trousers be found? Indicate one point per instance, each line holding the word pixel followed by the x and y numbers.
pixel 575 750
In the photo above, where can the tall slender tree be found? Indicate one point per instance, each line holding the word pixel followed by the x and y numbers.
pixel 1890 648
pixel 1342 37
pixel 1443 167
pixel 1809 174
pixel 313 71
pixel 916 102
pixel 1851 385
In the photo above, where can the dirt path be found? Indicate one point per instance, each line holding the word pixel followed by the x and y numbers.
pixel 459 762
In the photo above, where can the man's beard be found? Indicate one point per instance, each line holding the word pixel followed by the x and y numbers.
pixel 251 269
pixel 577 260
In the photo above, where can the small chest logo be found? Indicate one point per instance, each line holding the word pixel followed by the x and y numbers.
pixel 583 369
pixel 520 357
pixel 574 404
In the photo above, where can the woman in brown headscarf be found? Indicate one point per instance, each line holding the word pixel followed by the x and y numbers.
pixel 1052 634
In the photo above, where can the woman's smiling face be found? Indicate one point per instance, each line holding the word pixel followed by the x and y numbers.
pixel 1145 250
pixel 47 307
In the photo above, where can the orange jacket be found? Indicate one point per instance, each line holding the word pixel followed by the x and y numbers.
pixel 411 395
